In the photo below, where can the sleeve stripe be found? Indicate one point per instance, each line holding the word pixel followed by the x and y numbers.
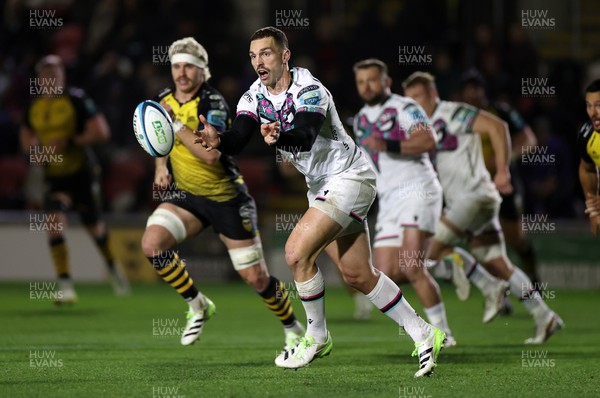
pixel 315 109
pixel 472 121
pixel 248 113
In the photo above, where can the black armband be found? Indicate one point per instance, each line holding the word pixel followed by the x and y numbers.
pixel 393 146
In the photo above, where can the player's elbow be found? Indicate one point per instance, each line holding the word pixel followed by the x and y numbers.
pixel 212 158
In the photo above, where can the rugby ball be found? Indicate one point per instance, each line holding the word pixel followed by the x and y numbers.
pixel 153 128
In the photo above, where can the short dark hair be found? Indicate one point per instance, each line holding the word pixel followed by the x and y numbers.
pixel 269 31
pixel 472 77
pixel 371 63
pixel 424 78
pixel 593 87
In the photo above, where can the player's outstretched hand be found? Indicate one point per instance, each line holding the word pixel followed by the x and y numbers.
pixel 270 132
pixel 208 137
pixel 502 181
pixel 592 205
pixel 592 209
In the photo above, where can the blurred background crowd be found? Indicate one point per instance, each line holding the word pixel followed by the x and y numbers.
pixel 116 51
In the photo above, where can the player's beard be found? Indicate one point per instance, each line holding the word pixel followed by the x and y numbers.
pixel 377 99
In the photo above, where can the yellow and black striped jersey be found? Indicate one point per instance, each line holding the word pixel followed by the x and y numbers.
pixel 62 117
pixel 588 144
pixel 220 181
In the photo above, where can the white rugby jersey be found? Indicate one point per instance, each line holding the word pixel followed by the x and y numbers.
pixel 333 151
pixel 395 120
pixel 460 164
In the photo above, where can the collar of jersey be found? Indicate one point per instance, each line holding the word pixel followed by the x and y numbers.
pixel 292 81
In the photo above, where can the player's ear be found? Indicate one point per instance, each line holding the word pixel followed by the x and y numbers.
pixel 388 82
pixel 286 55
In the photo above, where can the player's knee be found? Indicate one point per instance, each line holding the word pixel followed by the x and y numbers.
pixel 356 280
pixel 56 204
pixel 257 278
pixel 412 271
pixel 153 244
pixel 295 259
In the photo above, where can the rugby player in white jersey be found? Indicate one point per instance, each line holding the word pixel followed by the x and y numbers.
pixel 297 116
pixel 472 199
pixel 395 134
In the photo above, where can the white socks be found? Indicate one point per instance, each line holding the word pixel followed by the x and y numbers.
pixel 522 288
pixel 197 304
pixel 478 275
pixel 388 298
pixel 312 295
pixel 295 328
pixel 437 317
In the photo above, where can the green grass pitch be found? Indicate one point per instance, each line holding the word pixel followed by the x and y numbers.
pixel 110 347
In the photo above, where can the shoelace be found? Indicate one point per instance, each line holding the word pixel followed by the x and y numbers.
pixel 300 348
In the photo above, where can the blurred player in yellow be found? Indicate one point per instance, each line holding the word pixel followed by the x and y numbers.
pixel 208 190
pixel 588 142
pixel 60 125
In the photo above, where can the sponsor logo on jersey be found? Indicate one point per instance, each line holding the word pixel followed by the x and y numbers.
pixel 306 89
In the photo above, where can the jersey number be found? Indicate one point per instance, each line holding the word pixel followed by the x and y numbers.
pixel 447 141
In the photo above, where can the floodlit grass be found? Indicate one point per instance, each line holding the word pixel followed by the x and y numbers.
pixel 109 347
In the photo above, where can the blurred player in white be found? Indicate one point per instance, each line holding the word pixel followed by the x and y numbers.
pixel 299 118
pixel 472 199
pixel 522 138
pixel 209 191
pixel 395 133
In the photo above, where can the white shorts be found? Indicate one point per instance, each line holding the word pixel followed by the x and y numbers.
pixel 417 205
pixel 346 197
pixel 475 212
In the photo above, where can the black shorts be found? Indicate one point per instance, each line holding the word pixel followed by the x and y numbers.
pixel 511 207
pixel 235 218
pixel 84 190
